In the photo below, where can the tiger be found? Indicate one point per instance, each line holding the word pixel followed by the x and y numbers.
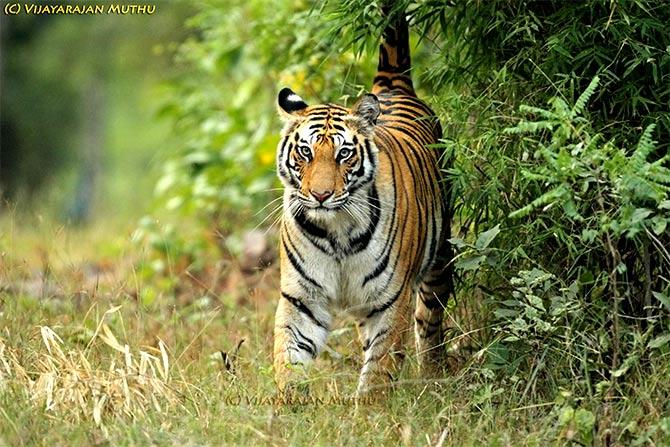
pixel 365 223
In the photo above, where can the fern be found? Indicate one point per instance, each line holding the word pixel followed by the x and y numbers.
pixel 548 197
pixel 584 98
pixel 646 145
pixel 547 114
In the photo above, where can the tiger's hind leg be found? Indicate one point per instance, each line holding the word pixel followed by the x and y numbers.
pixel 431 303
pixel 428 331
pixel 383 334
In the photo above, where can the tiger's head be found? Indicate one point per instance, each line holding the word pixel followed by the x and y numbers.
pixel 326 153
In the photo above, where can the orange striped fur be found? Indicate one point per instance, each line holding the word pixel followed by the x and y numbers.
pixel 364 223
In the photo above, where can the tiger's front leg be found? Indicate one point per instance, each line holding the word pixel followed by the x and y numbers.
pixel 301 328
pixel 384 332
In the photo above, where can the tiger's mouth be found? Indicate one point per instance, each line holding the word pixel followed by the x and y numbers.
pixel 333 204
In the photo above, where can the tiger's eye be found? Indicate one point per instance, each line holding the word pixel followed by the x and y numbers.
pixel 345 153
pixel 305 151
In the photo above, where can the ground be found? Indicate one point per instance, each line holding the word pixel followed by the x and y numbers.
pixel 93 352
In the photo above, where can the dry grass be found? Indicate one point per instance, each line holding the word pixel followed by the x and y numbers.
pixel 74 384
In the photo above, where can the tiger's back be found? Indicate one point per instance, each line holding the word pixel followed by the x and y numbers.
pixel 364 222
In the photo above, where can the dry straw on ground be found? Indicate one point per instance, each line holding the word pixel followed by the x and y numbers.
pixel 110 381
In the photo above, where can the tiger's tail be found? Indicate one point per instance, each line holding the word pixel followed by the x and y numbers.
pixel 394 68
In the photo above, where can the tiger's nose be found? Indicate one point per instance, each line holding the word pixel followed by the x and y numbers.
pixel 321 196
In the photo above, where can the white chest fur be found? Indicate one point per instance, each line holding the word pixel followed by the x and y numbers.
pixel 338 268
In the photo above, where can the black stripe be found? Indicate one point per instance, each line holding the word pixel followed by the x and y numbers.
pixel 432 247
pixel 361 242
pixel 316 235
pixel 301 271
pixel 409 103
pixel 310 227
pixel 413 175
pixel 427 329
pixel 305 347
pixel 303 309
pixel 404 218
pixel 388 245
pixel 287 156
pixel 305 338
pixel 428 175
pixel 368 343
pixel 365 180
pixel 288 243
pixel 386 305
pixel 434 281
pixel 283 155
pixel 302 342
pixel 359 172
pixel 372 358
pixel 424 323
pixel 382 80
pixel 415 132
pixel 430 301
pixel 381 266
pixel 336 109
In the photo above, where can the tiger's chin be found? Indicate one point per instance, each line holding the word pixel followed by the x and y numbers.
pixel 324 214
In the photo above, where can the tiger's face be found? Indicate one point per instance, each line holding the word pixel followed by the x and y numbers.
pixel 326 153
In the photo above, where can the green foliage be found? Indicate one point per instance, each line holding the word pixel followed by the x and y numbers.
pixel 577 170
pixel 587 246
pixel 548 47
pixel 579 423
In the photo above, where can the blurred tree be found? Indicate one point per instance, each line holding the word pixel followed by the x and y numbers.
pixel 58 77
pixel 36 109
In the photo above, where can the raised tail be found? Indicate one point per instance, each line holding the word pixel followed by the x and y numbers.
pixel 393 70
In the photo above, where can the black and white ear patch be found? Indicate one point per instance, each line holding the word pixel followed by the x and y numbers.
pixel 290 102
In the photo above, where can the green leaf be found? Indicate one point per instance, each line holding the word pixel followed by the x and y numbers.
pixel 630 361
pixel 487 237
pixel 566 416
pixel 659 225
pixel 470 262
pixel 584 97
pixel 640 214
pixel 585 420
pixel 458 242
pixel 663 298
pixel 505 313
pixel 659 341
pixel 588 235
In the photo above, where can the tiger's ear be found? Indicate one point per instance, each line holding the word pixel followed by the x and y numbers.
pixel 290 104
pixel 367 108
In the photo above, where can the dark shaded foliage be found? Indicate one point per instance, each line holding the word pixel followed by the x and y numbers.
pixel 556 117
